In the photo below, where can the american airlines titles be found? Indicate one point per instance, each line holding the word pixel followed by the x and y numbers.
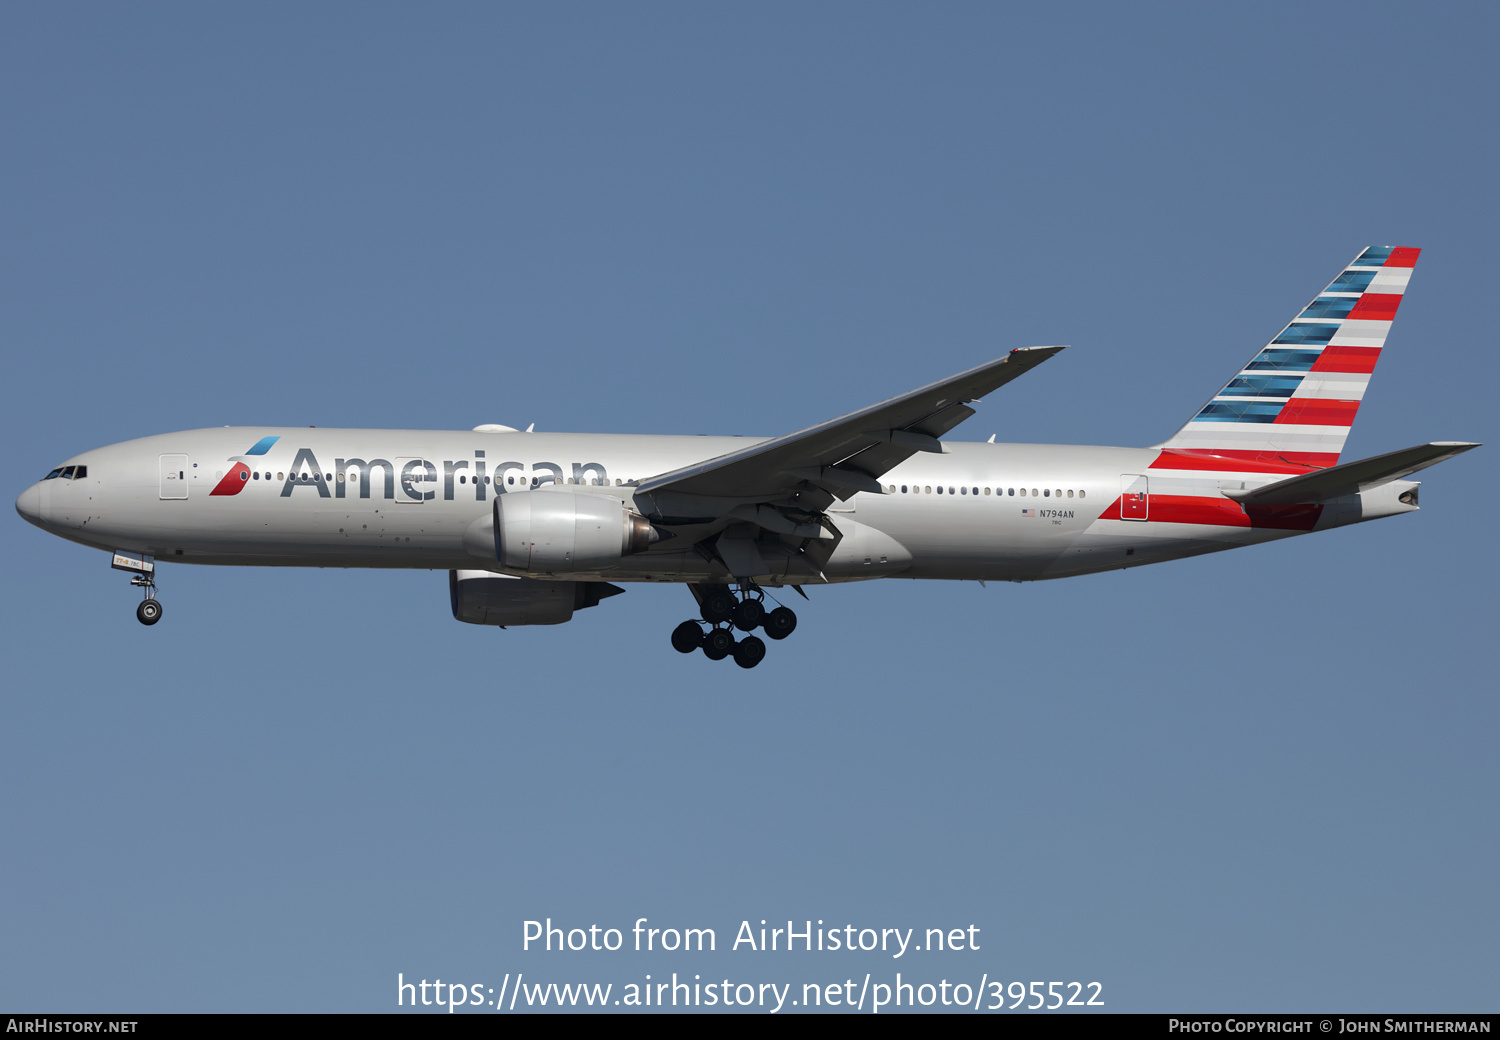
pixel 412 473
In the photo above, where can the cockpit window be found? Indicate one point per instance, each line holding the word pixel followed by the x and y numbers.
pixel 67 474
pixel 54 474
pixel 82 472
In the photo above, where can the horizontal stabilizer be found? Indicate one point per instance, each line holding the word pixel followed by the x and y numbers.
pixel 1350 478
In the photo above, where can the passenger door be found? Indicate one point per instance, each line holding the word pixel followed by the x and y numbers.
pixel 1135 496
pixel 172 479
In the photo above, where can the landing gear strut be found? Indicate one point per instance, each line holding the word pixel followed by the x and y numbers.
pixel 722 612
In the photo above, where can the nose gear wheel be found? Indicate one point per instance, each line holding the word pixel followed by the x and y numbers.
pixel 149 612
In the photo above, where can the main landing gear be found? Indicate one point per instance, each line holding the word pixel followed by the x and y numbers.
pixel 724 611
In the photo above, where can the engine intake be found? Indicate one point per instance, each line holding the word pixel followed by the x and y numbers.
pixel 561 532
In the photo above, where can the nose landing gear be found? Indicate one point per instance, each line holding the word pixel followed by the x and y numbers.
pixel 723 611
pixel 142 570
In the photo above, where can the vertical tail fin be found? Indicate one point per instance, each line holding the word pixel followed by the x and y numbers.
pixel 1296 399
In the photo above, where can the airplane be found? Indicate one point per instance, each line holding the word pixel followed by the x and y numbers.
pixel 533 527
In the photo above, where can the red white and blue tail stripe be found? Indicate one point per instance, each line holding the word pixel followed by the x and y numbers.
pixel 1296 399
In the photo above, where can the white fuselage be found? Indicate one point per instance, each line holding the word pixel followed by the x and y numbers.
pixel 418 499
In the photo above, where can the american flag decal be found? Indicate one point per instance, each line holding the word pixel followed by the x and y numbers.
pixel 1028 512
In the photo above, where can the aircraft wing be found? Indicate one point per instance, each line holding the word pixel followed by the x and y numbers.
pixel 849 454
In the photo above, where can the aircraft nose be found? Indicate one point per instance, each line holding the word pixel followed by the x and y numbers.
pixel 29 505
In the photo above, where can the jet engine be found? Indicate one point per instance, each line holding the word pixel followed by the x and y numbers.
pixel 487 598
pixel 561 532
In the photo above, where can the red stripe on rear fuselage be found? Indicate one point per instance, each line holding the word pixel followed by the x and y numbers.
pixel 1221 512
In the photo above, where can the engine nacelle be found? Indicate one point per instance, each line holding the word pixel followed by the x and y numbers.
pixel 562 532
pixel 487 598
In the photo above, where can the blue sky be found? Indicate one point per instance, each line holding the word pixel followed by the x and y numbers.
pixel 1256 780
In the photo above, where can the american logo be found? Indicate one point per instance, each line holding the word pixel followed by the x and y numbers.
pixel 235 479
